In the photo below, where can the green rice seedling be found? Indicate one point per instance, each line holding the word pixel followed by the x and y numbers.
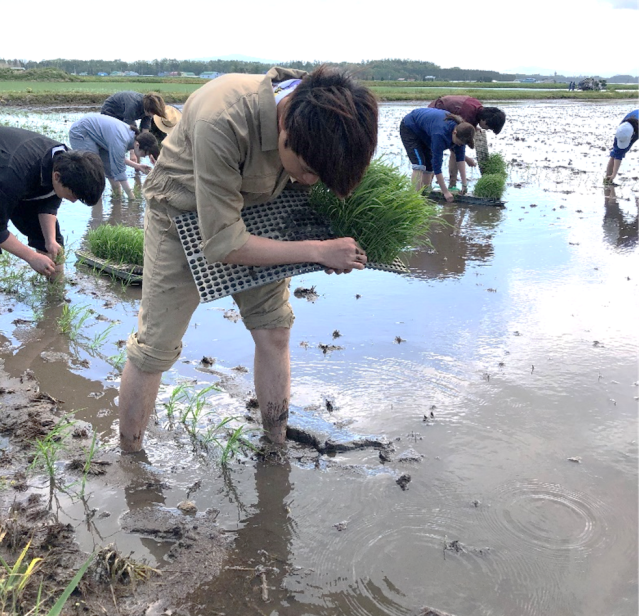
pixel 90 453
pixel 178 395
pixel 193 413
pixel 229 440
pixel 117 244
pixel 384 214
pixel 493 164
pixel 48 449
pixel 490 186
pixel 72 319
pixel 99 339
pixel 118 361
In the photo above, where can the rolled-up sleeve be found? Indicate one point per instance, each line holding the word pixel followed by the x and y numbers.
pixel 217 156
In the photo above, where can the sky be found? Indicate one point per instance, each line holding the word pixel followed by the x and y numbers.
pixel 570 37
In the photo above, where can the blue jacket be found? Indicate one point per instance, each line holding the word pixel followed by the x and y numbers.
pixel 435 132
pixel 620 153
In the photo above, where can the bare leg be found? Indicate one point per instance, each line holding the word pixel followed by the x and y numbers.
pixel 138 392
pixel 272 376
pixel 453 170
pixel 427 178
pixel 416 179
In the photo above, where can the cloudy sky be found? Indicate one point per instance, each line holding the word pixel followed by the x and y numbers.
pixel 568 36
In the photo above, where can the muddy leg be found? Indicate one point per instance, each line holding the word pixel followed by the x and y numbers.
pixel 138 392
pixel 272 376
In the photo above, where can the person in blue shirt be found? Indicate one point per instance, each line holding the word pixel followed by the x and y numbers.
pixel 426 134
pixel 626 136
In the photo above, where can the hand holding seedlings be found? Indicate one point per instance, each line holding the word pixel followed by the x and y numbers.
pixel 341 255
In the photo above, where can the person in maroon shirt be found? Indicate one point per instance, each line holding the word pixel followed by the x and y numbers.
pixel 472 111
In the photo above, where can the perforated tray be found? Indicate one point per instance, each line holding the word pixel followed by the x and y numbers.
pixel 287 218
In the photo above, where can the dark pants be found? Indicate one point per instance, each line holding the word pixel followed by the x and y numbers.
pixel 418 151
pixel 25 219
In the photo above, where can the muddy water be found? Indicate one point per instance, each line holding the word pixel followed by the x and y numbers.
pixel 507 362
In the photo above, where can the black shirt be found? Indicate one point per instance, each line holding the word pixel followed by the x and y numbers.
pixel 26 167
pixel 127 107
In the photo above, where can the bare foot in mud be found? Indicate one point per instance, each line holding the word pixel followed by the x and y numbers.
pixel 273 452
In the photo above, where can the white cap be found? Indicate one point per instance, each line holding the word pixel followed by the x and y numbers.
pixel 624 134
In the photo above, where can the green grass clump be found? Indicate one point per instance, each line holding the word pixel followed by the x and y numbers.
pixel 117 244
pixel 384 214
pixel 494 163
pixel 490 186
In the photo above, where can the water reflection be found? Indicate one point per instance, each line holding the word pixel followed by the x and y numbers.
pixel 129 212
pixel 620 229
pixel 260 561
pixel 465 235
pixel 53 357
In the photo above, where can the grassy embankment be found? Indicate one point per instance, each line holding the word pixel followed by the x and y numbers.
pixel 75 90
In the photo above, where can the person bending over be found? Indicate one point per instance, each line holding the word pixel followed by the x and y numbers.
pixel 626 136
pixel 426 133
pixel 240 140
pixel 472 111
pixel 36 173
pixel 111 139
pixel 129 107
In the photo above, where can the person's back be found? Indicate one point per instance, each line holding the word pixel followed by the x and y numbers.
pixel 21 157
pixel 430 124
pixel 105 131
pixel 126 106
pixel 186 148
pixel 466 107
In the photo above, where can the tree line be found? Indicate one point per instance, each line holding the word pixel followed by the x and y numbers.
pixel 379 70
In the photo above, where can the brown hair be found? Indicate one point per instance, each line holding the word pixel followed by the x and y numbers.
pixel 464 131
pixel 149 144
pixel 153 104
pixel 332 124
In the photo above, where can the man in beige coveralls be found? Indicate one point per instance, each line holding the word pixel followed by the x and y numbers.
pixel 241 138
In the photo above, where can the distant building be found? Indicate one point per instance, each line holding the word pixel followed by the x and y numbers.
pixel 102 74
pixel 209 75
pixel 117 74
pixel 187 74
pixel 17 68
pixel 429 78
pixel 131 74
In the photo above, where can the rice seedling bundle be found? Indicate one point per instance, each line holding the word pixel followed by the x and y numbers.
pixel 490 186
pixel 494 163
pixel 384 214
pixel 117 244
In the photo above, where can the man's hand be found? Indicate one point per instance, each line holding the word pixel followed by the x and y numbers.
pixel 42 264
pixel 470 161
pixel 448 196
pixel 143 168
pixel 342 255
pixel 53 250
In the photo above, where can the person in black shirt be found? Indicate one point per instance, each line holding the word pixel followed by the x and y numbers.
pixel 36 173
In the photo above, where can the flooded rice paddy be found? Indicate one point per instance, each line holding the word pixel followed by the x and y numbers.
pixel 504 370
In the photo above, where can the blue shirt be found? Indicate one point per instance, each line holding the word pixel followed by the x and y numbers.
pixel 437 134
pixel 108 134
pixel 620 153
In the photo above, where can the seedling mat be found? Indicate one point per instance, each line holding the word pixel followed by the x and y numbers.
pixel 287 218
pixel 435 195
pixel 132 274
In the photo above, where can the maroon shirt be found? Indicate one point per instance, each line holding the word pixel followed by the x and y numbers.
pixel 466 107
